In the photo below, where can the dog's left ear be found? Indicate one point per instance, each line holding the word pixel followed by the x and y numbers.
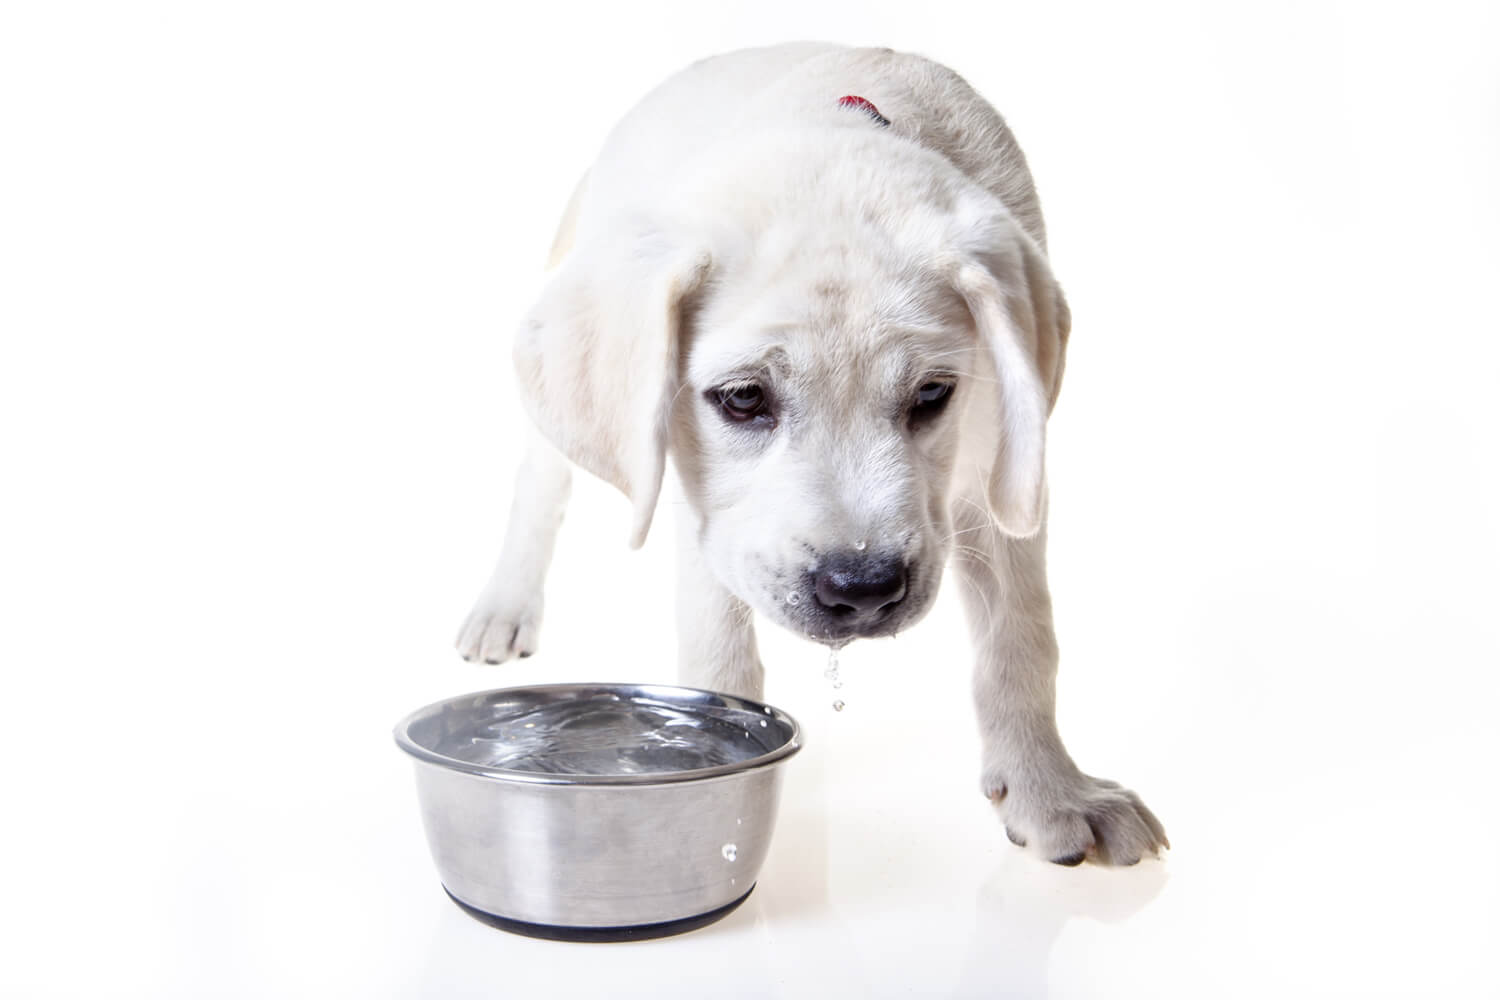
pixel 597 359
pixel 1023 319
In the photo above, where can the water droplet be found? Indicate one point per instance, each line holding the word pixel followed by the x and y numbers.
pixel 762 723
pixel 730 852
pixel 794 598
pixel 859 546
pixel 838 706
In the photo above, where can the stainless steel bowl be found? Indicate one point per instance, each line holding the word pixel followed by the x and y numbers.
pixel 598 811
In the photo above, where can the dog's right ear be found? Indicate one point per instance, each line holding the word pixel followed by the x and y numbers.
pixel 597 359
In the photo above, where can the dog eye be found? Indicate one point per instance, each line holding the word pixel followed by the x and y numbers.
pixel 742 403
pixel 931 398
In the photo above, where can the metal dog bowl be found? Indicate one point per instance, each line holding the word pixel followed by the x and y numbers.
pixel 598 811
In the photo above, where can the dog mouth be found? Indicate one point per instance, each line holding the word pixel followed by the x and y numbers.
pixel 835 633
pixel 836 636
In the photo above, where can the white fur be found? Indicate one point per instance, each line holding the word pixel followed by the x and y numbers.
pixel 740 227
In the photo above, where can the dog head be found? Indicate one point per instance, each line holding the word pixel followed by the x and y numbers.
pixel 830 359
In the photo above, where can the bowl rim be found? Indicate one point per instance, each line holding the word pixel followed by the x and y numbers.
pixel 661 692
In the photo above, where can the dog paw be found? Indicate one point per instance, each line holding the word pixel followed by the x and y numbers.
pixel 1080 819
pixel 497 630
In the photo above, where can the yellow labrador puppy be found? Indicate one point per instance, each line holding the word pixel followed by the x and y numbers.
pixel 817 277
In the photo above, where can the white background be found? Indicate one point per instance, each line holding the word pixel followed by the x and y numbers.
pixel 258 268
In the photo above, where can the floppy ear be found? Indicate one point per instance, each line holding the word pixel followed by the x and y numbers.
pixel 597 361
pixel 1023 319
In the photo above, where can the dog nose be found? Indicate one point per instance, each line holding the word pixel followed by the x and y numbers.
pixel 847 585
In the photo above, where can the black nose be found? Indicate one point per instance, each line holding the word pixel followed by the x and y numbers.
pixel 849 584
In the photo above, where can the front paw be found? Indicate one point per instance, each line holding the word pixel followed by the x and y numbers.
pixel 1078 818
pixel 500 627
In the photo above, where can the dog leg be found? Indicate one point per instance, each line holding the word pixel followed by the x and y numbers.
pixel 715 630
pixel 505 618
pixel 1041 795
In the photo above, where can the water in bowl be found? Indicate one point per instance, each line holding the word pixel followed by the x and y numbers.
pixel 617 736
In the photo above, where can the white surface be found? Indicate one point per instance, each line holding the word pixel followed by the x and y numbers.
pixel 259 269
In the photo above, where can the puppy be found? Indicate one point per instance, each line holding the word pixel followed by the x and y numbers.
pixel 817 277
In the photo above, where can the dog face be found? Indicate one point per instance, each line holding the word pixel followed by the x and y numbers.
pixel 822 372
pixel 816 430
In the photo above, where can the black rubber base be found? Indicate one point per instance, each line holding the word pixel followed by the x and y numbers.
pixel 634 932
